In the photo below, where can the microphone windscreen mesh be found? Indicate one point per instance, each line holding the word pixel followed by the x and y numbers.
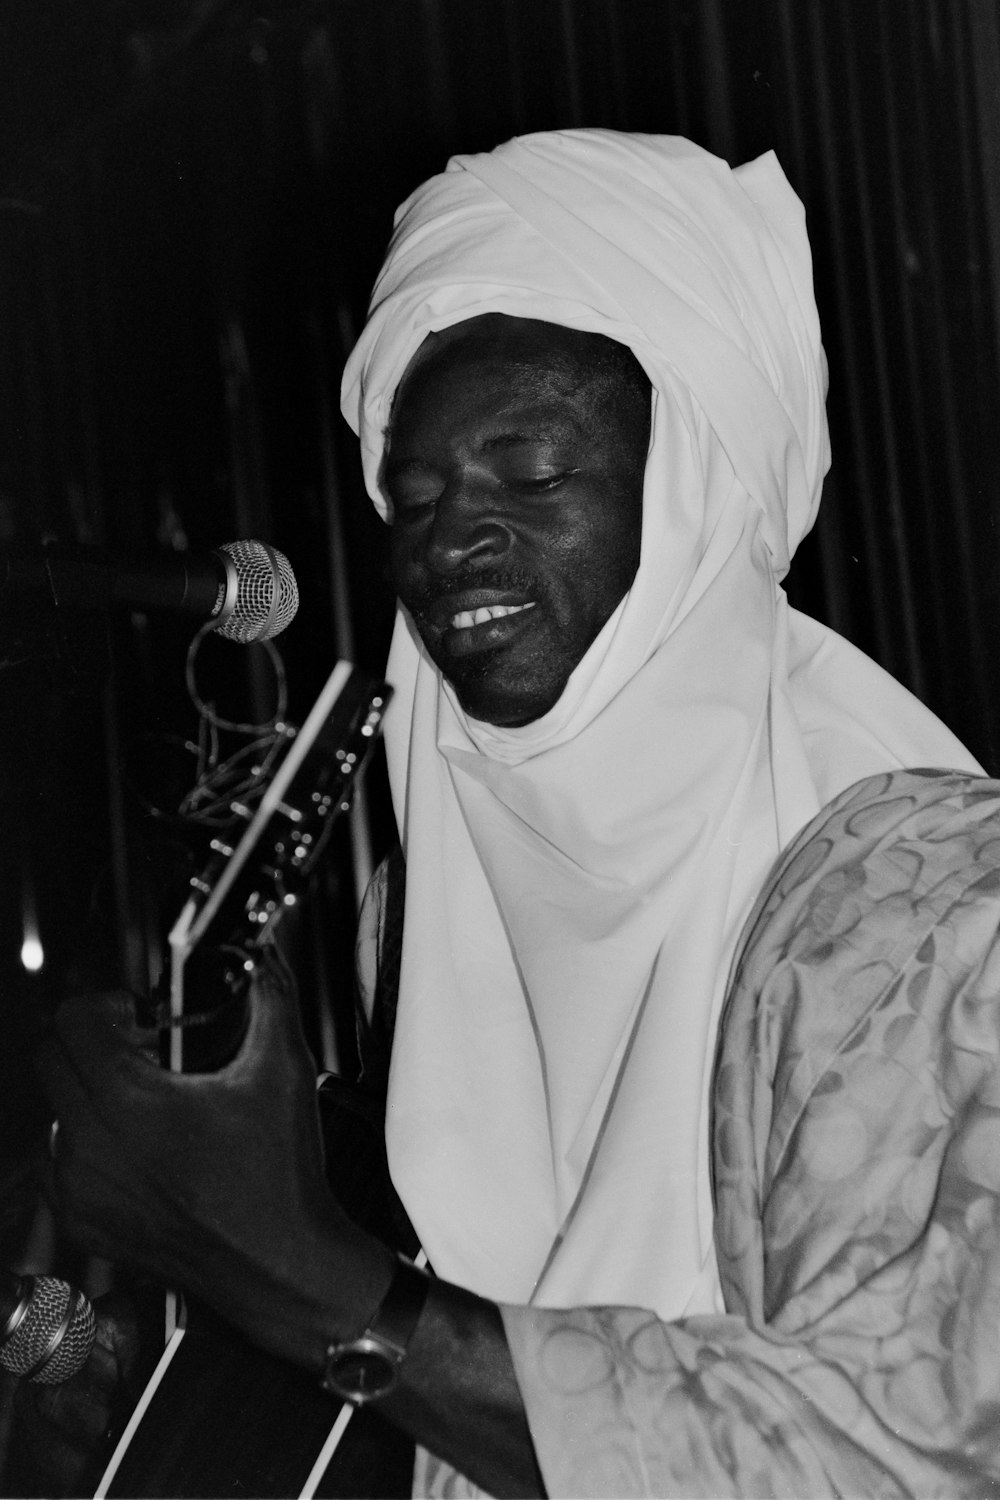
pixel 267 595
pixel 50 1302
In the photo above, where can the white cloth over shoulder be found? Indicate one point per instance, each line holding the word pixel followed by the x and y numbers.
pixel 575 887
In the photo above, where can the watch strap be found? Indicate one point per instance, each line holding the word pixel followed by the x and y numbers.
pixel 387 1335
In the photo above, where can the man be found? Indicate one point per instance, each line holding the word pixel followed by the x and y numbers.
pixel 607 726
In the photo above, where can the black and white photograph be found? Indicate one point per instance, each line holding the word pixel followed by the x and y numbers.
pixel 500 772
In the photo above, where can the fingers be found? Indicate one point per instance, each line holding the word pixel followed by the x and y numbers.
pixel 88 1028
pixel 93 1045
pixel 87 1065
pixel 96 1045
pixel 97 1022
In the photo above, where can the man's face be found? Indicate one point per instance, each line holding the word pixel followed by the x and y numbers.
pixel 514 466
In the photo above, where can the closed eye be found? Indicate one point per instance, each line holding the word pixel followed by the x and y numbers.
pixel 411 492
pixel 541 482
pixel 409 511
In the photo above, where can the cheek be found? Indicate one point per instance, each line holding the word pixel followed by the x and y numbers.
pixel 399 565
pixel 622 557
pixel 604 563
pixel 625 543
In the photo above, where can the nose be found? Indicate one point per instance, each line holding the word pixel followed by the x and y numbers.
pixel 466 531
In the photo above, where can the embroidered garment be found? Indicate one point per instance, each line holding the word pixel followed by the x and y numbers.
pixel 856 1141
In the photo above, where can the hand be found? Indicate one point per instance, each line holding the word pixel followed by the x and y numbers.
pixel 210 1182
pixel 215 1182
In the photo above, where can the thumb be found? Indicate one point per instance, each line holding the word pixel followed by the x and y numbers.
pixel 275 1033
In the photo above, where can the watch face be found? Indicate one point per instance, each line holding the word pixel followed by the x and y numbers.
pixel 362 1374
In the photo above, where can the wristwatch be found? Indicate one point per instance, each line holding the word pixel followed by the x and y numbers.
pixel 366 1368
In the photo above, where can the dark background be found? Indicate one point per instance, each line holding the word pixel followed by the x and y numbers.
pixel 194 199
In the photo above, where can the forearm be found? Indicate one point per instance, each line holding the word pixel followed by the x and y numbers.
pixel 459 1395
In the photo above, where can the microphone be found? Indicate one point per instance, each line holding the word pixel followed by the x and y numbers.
pixel 48 1328
pixel 246 589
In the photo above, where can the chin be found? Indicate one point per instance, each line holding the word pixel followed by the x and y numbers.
pixel 510 709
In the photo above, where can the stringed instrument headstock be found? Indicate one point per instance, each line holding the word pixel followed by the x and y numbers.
pixel 259 865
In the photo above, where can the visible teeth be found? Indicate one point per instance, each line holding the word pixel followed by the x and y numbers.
pixel 469 617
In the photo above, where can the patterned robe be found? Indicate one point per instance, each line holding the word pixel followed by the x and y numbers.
pixel 856 1142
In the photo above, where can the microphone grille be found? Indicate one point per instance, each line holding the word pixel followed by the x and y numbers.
pixel 46 1313
pixel 265 597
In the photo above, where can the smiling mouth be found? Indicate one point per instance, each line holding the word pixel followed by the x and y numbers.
pixel 467 619
pixel 484 630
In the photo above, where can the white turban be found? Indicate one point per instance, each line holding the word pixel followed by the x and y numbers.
pixel 575 887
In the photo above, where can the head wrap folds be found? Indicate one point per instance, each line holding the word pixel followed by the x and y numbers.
pixel 575 887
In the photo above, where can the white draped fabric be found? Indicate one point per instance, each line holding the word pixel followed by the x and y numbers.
pixel 575 888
